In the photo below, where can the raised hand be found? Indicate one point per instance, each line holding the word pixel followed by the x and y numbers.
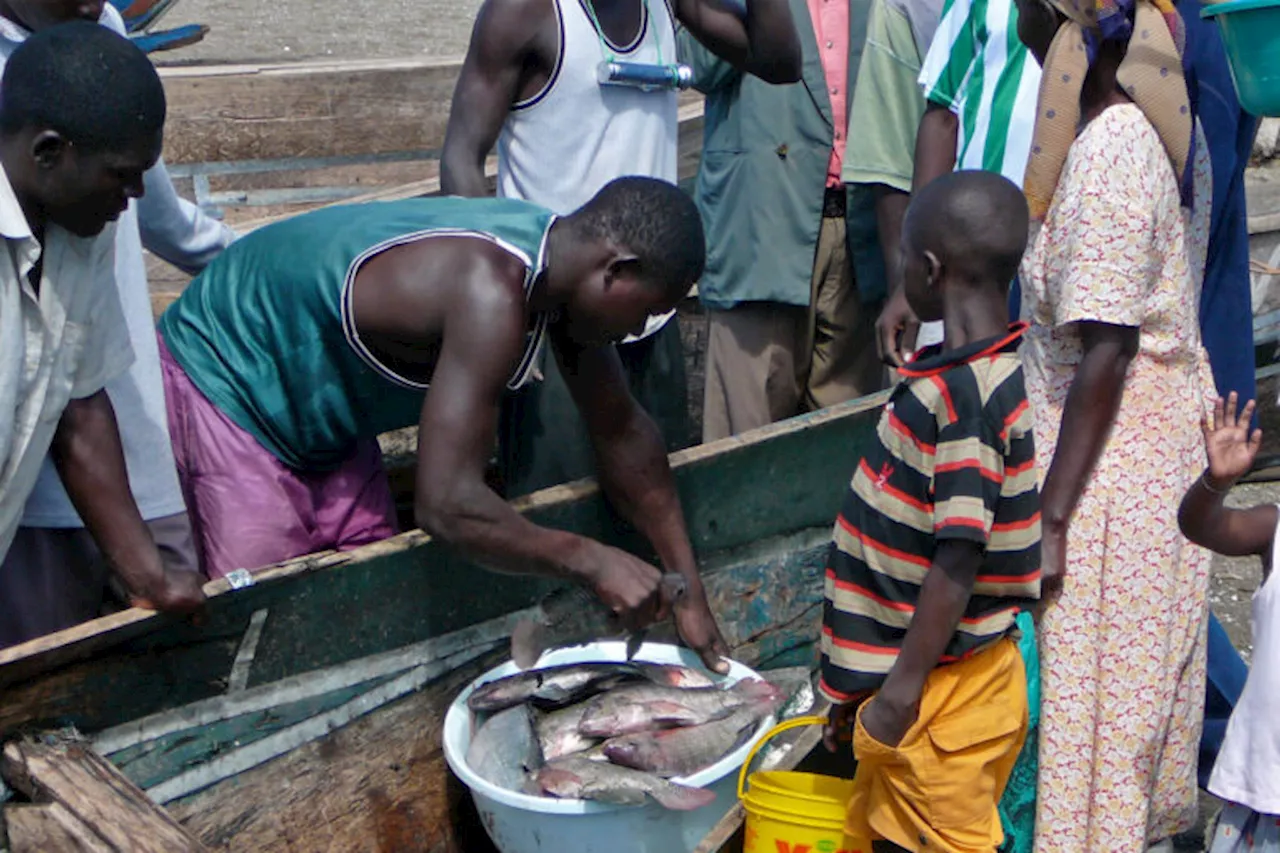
pixel 1227 440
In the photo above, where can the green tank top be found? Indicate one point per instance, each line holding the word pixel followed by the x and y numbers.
pixel 266 331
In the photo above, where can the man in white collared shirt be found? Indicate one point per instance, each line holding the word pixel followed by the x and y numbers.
pixel 52 550
pixel 70 166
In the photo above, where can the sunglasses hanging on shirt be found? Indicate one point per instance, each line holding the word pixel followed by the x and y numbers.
pixel 646 76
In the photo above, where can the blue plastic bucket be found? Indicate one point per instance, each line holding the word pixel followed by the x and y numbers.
pixel 1251 32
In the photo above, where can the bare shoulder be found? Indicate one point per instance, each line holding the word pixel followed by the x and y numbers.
pixel 489 288
pixel 508 26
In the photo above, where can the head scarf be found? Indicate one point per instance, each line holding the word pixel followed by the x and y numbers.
pixel 1151 74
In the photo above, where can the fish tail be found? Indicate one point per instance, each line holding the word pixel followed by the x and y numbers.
pixel 682 798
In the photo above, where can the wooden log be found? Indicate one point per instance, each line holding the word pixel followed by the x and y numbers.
pixel 71 774
pixel 48 827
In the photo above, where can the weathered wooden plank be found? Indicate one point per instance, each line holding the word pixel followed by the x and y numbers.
pixel 310 109
pixel 49 827
pixel 306 109
pixel 378 784
pixel 98 795
pixel 784 479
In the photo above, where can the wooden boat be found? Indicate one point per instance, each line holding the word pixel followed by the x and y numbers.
pixel 304 713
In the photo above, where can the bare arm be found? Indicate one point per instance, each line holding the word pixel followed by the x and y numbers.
pixel 936 143
pixel 636 476
pixel 1203 516
pixel 502 43
pixel 762 41
pixel 90 460
pixel 174 228
pixel 891 210
pixel 1091 408
pixel 483 337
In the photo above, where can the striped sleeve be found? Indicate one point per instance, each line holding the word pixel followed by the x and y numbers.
pixel 952 54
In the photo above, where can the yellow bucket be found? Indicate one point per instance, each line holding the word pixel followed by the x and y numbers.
pixel 790 812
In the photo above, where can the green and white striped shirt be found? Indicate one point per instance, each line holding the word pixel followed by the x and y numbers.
pixel 977 68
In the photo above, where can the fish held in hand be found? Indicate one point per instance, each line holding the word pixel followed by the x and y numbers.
pixel 580 778
pixel 553 687
pixel 505 749
pixel 684 751
pixel 558 733
pixel 647 707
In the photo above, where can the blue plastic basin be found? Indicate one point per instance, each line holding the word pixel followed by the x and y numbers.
pixel 1251 33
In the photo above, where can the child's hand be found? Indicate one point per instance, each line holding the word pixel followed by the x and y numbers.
pixel 1227 440
pixel 839 728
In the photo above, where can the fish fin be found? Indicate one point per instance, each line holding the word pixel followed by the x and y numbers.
pixel 755 690
pixel 682 798
pixel 528 642
pixel 560 782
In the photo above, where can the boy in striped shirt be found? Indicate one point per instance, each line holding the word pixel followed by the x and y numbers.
pixel 937 548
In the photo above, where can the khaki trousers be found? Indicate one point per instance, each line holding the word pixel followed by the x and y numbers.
pixel 768 361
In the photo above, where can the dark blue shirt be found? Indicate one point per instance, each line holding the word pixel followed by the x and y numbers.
pixel 1226 306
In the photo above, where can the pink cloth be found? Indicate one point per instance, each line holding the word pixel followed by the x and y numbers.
pixel 249 510
pixel 831 27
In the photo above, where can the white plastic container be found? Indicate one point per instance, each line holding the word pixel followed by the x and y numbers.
pixel 519 823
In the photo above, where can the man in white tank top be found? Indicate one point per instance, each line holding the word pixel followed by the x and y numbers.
pixel 529 85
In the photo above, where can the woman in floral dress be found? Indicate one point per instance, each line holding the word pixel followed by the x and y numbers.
pixel 1119 381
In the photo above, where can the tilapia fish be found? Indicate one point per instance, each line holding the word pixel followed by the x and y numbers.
pixel 646 707
pixel 581 778
pixel 558 733
pixel 684 751
pixel 505 748
pixel 557 686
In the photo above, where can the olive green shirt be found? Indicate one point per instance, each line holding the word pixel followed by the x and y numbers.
pixel 888 101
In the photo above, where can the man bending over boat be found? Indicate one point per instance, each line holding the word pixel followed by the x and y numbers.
pixel 292 351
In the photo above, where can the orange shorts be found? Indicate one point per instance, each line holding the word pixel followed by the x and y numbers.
pixel 939 788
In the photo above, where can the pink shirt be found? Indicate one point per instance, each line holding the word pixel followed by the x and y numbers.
pixel 831 27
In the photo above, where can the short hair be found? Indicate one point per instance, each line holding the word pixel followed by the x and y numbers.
pixel 94 87
pixel 975 222
pixel 658 222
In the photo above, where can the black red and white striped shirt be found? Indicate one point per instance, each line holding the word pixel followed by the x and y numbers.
pixel 953 458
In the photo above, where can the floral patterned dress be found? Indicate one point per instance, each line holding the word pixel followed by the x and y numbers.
pixel 1123 647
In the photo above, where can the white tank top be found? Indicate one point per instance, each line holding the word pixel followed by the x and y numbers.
pixel 558 148
pixel 1248 767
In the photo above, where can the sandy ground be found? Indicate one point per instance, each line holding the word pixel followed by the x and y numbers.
pixel 278 30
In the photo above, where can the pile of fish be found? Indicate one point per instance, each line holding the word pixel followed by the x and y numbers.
pixel 613 732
